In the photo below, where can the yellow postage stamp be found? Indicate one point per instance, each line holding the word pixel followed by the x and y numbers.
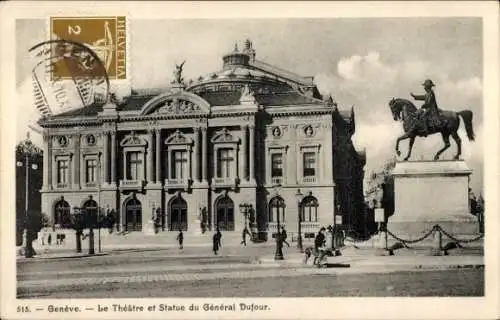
pixel 106 36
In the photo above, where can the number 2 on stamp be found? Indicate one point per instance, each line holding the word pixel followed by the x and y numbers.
pixel 74 29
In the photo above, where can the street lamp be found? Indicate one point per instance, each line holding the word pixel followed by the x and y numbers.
pixel 299 197
pixel 278 255
pixel 78 225
pixel 28 246
pixel 244 207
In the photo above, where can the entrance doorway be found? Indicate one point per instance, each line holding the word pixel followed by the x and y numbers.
pixel 178 214
pixel 133 215
pixel 224 208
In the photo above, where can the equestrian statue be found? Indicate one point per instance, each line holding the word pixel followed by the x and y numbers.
pixel 429 120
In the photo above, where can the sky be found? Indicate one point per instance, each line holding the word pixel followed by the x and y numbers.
pixel 361 62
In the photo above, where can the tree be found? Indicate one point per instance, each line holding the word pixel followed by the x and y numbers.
pixel 29 161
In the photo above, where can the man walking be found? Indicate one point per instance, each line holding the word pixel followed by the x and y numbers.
pixel 244 236
pixel 216 241
pixel 180 239
pixel 284 236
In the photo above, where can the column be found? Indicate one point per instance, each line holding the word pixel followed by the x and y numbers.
pixel 46 162
pixel 196 159
pixel 149 156
pixel 113 157
pixel 252 152
pixel 204 153
pixel 76 163
pixel 105 152
pixel 243 166
pixel 158 155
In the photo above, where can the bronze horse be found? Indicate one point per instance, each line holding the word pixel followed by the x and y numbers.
pixel 406 111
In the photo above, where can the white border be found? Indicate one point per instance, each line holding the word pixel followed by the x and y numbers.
pixel 344 308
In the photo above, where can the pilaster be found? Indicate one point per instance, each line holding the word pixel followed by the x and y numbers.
pixel 76 162
pixel 47 184
pixel 105 152
pixel 204 155
pixel 196 159
pixel 252 153
pixel 243 166
pixel 113 158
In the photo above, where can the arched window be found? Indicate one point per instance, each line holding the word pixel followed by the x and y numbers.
pixel 62 215
pixel 310 209
pixel 277 207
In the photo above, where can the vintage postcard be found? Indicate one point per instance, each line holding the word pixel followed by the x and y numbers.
pixel 249 160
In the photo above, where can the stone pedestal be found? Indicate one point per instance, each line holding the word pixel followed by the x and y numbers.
pixel 427 193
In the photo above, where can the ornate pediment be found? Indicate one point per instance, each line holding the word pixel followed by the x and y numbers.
pixel 176 104
pixel 178 138
pixel 133 140
pixel 224 136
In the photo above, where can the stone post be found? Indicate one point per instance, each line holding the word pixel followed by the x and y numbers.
pixel 437 243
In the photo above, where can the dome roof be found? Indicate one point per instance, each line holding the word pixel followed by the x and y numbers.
pixel 241 68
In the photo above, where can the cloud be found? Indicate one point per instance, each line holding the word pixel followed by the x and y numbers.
pixel 368 82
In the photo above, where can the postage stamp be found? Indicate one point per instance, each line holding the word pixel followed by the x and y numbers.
pixel 104 35
pixel 196 165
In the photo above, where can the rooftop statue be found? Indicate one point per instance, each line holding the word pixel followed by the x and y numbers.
pixel 178 73
pixel 429 120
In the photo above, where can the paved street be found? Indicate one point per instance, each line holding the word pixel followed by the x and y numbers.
pixel 169 273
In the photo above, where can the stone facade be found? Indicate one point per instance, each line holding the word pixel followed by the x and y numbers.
pixel 189 156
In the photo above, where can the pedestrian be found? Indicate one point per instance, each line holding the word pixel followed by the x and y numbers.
pixel 244 236
pixel 284 236
pixel 319 242
pixel 49 239
pixel 329 238
pixel 180 238
pixel 217 241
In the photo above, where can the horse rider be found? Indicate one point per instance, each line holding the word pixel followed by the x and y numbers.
pixel 429 109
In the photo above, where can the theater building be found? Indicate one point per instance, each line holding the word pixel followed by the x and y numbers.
pixel 190 156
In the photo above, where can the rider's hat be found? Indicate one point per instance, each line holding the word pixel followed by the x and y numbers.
pixel 428 83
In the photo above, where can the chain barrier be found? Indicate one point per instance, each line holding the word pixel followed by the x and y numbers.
pixel 458 240
pixel 405 241
pixel 436 227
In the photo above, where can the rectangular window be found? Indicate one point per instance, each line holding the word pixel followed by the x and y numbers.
pixel 91 170
pixel 224 163
pixel 62 171
pixel 179 164
pixel 309 164
pixel 134 167
pixel 277 165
